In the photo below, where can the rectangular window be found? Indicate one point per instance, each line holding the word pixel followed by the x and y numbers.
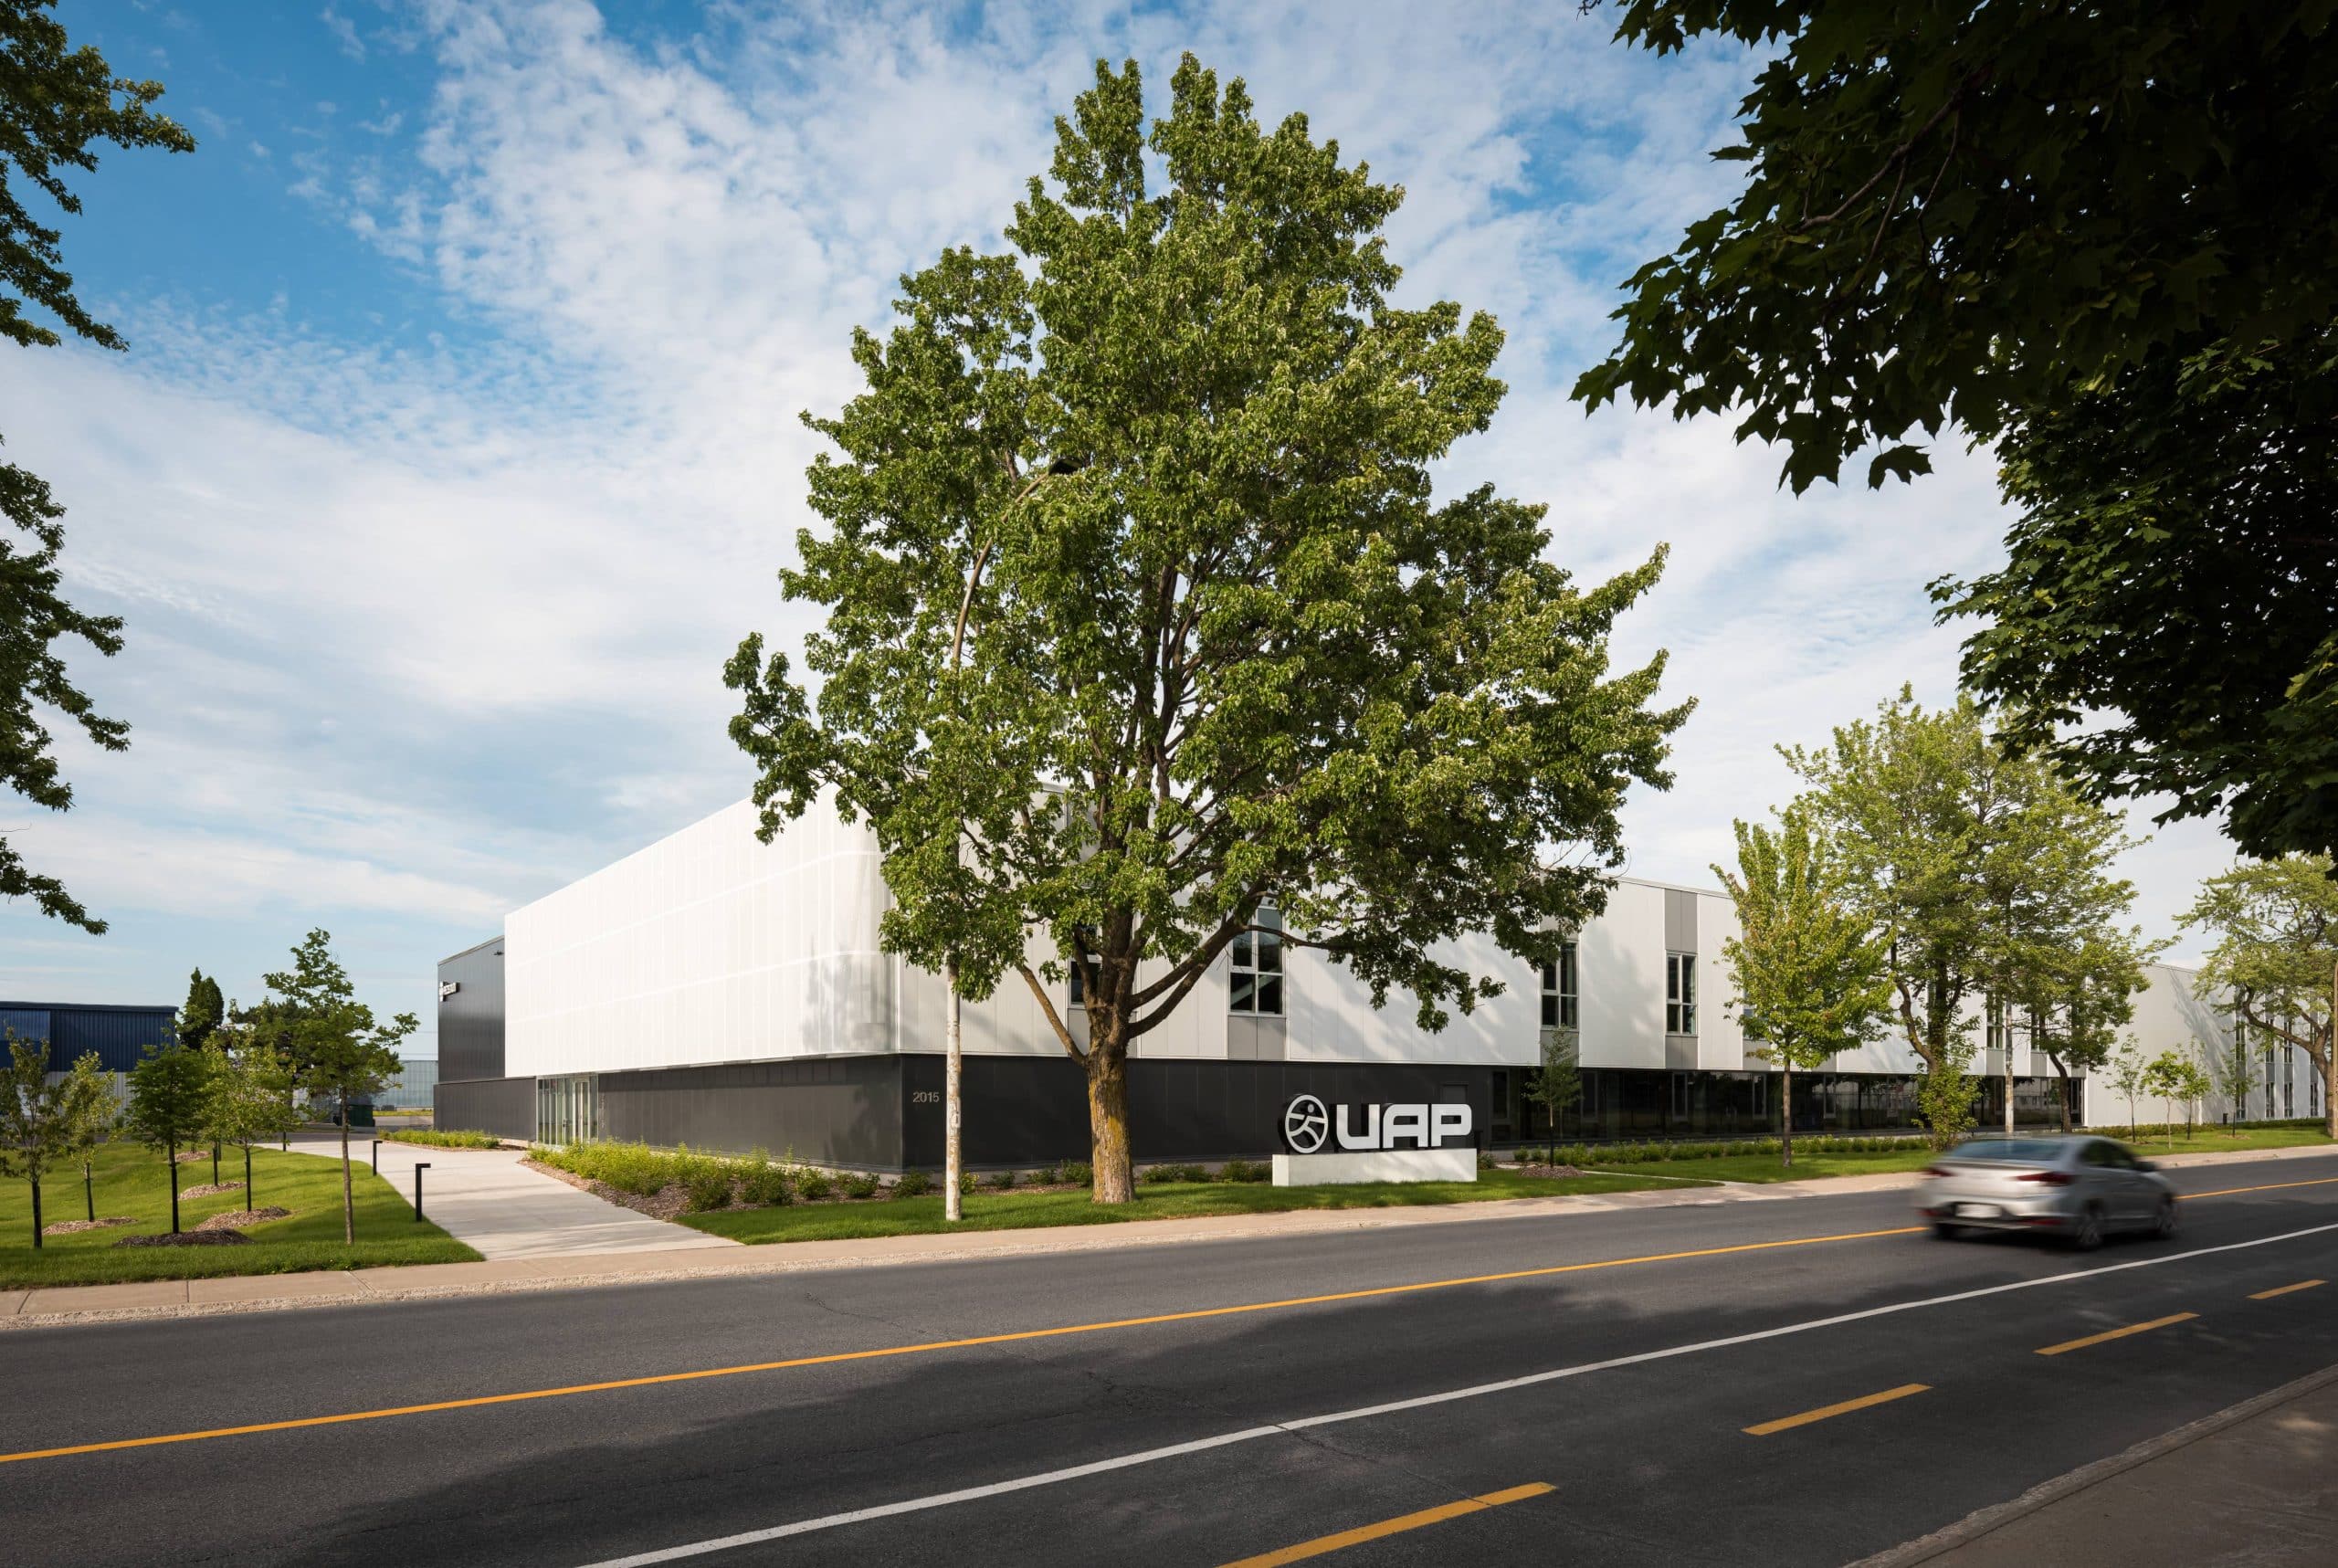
pixel 1560 994
pixel 1256 985
pixel 1680 993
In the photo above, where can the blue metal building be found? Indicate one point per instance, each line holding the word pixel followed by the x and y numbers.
pixel 118 1034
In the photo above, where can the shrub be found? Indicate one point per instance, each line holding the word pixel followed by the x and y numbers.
pixel 860 1184
pixel 1246 1171
pixel 708 1188
pixel 1078 1172
pixel 1047 1176
pixel 813 1185
pixel 452 1139
pixel 965 1181
pixel 912 1183
pixel 765 1184
pixel 1002 1180
pixel 1161 1175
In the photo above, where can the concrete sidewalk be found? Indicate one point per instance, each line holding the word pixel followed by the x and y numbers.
pixel 2255 1483
pixel 486 1198
pixel 701 1256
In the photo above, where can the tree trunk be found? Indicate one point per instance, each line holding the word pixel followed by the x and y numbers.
pixel 175 1188
pixel 2062 1096
pixel 248 1202
pixel 1785 1122
pixel 88 1192
pixel 952 1200
pixel 1108 1122
pixel 348 1199
pixel 35 1214
pixel 215 1164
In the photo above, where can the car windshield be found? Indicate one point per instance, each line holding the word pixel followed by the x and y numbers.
pixel 2012 1150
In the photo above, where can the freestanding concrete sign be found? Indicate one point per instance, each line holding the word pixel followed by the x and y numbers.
pixel 1375 1143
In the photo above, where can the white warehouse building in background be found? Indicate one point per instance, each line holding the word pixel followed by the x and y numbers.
pixel 716 991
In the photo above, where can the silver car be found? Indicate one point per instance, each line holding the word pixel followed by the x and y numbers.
pixel 2077 1190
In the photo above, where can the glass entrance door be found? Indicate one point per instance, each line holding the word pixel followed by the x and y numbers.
pixel 568 1109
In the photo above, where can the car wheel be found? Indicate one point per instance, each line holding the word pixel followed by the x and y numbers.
pixel 2087 1233
pixel 2163 1225
pixel 1946 1231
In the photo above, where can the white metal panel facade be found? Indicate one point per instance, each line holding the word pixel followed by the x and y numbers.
pixel 707 946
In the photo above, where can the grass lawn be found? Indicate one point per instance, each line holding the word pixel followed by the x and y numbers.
pixel 130 1181
pixel 989 1210
pixel 1810 1166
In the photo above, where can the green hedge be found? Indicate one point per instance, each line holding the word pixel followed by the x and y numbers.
pixel 450 1139
pixel 1654 1152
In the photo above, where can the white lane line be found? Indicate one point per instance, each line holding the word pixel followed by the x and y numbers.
pixel 1422 1402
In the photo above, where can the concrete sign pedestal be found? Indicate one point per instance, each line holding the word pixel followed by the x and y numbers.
pixel 1376 1166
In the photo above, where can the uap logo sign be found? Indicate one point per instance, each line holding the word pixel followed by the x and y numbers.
pixel 1308 1126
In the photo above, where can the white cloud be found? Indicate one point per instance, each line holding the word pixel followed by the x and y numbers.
pixel 420 630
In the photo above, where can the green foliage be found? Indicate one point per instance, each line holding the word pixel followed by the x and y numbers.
pixel 169 1101
pixel 2127 1067
pixel 2158 515
pixel 1985 870
pixel 858 1184
pixel 2174 1078
pixel 202 1011
pixel 57 103
pixel 339 1050
pixel 912 1183
pixel 1077 1172
pixel 1002 1181
pixel 1944 1096
pixel 765 1184
pixel 44 1124
pixel 443 1137
pixel 814 1185
pixel 1956 211
pixel 1246 1171
pixel 1163 1175
pixel 707 1184
pixel 1141 610
pixel 1557 1085
pixel 2275 927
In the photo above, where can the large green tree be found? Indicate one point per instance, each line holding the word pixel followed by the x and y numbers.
pixel 1983 866
pixel 2097 236
pixel 2077 998
pixel 340 1051
pixel 56 104
pixel 202 1011
pixel 1807 961
pixel 2275 961
pixel 1161 474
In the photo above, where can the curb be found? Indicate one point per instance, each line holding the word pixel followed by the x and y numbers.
pixel 1986 1521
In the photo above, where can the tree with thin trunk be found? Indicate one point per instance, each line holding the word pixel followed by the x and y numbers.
pixel 2079 998
pixel 39 1118
pixel 250 1098
pixel 1808 964
pixel 1162 472
pixel 1558 1084
pixel 95 1115
pixel 167 1091
pixel 2275 925
pixel 343 1052
pixel 2127 1069
pixel 2168 1078
pixel 2236 1075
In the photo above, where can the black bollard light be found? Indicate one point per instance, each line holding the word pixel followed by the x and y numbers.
pixel 419 1166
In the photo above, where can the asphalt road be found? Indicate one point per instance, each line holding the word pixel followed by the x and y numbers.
pixel 1197 1433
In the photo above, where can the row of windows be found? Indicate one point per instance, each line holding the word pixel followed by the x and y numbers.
pixel 1254 984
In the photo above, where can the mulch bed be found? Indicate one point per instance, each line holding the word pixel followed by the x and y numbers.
pixel 192 1156
pixel 1550 1172
pixel 238 1219
pixel 211 1189
pixel 75 1226
pixel 669 1203
pixel 187 1239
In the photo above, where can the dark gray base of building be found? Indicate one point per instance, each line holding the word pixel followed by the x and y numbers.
pixel 884 1113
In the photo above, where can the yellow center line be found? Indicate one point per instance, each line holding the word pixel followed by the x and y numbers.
pixel 2268 1187
pixel 1864 1402
pixel 929 1346
pixel 2285 1290
pixel 1387 1527
pixel 2109 1334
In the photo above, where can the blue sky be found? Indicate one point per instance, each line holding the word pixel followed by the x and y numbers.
pixel 456 442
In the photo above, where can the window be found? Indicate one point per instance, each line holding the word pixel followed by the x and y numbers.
pixel 1560 992
pixel 1256 985
pixel 1680 993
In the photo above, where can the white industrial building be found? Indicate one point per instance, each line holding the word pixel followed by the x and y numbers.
pixel 713 990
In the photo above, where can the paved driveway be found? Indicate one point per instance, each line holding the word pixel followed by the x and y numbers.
pixel 486 1197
